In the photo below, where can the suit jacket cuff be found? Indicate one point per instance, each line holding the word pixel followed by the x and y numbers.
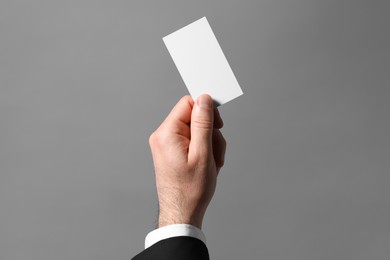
pixel 176 230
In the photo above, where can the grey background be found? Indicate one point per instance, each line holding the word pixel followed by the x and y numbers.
pixel 84 83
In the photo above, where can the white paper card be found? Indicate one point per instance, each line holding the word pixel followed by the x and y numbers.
pixel 201 62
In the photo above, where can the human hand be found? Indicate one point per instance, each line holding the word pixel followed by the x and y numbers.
pixel 188 151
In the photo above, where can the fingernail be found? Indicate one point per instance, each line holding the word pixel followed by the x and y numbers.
pixel 204 101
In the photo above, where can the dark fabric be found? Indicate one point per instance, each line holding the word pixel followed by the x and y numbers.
pixel 175 248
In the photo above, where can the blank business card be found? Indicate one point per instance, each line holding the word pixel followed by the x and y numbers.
pixel 201 62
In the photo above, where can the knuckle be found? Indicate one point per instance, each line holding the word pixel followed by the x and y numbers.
pixel 155 138
pixel 221 163
pixel 152 139
pixel 222 140
pixel 224 143
pixel 202 123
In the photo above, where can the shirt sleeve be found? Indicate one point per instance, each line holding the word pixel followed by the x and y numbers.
pixel 175 230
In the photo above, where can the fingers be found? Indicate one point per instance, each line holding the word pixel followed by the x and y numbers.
pixel 181 112
pixel 202 125
pixel 218 123
pixel 203 120
pixel 219 148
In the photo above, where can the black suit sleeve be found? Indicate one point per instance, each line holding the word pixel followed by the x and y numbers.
pixel 175 248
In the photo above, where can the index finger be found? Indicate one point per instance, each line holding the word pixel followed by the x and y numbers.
pixel 181 112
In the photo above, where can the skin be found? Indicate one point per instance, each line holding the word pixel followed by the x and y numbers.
pixel 188 152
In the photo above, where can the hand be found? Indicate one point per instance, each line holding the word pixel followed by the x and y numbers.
pixel 188 151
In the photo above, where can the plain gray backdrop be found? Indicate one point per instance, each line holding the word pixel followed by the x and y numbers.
pixel 84 83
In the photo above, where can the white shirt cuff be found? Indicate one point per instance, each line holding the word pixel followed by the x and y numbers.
pixel 175 230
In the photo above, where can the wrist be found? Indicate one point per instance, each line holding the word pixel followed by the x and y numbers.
pixel 171 218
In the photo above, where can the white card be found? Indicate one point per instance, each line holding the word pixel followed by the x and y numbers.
pixel 201 62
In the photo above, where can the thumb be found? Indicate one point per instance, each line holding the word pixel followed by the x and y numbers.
pixel 202 121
